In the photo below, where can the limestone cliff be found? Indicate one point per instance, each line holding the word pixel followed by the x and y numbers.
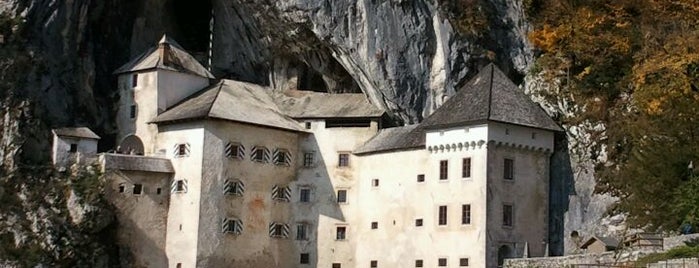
pixel 407 56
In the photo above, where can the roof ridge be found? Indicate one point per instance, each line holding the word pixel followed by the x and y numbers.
pixel 218 93
pixel 490 90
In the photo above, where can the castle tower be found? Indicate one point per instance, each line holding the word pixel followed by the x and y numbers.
pixel 148 85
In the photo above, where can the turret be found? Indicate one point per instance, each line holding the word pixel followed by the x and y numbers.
pixel 150 84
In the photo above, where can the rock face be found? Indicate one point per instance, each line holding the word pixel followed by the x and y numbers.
pixel 406 56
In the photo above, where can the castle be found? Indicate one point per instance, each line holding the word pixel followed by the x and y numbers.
pixel 223 173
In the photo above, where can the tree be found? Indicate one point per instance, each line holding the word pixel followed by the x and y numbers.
pixel 632 66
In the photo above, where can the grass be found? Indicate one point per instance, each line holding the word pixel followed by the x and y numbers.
pixel 687 251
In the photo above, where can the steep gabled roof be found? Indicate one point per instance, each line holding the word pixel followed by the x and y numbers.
pixel 490 96
pixel 231 100
pixel 178 60
pixel 394 139
pixel 307 104
pixel 76 132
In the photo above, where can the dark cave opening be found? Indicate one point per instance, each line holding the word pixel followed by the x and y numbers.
pixel 311 80
pixel 191 19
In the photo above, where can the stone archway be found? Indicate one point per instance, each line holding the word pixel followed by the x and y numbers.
pixel 504 252
pixel 131 144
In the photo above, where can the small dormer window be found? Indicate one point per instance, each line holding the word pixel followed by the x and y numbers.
pixel 134 80
pixel 73 148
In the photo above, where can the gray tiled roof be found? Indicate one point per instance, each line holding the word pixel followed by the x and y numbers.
pixel 180 61
pixel 307 104
pixel 137 163
pixel 607 241
pixel 234 101
pixel 78 132
pixel 490 96
pixel 394 139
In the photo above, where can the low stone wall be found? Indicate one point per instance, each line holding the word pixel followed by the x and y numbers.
pixel 579 259
pixel 676 241
pixel 676 263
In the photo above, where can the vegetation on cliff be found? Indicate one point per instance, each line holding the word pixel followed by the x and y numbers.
pixel 631 67
pixel 47 218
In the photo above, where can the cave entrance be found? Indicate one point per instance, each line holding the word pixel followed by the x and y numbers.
pixel 191 20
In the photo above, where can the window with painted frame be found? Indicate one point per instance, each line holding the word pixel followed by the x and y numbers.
pixel 260 154
pixel 232 226
pixel 233 187
pixel 282 157
pixel 281 193
pixel 234 150
pixel 278 230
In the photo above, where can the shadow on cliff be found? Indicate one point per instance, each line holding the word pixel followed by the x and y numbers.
pixel 560 187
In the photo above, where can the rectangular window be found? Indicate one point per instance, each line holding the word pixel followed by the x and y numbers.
pixel 418 263
pixel 181 150
pixel 234 150
pixel 442 215
pixel 507 215
pixel 337 265
pixel 281 193
pixel 341 233
pixel 374 225
pixel 132 112
pixel 463 262
pixel 260 154
pixel 178 186
pixel 134 80
pixel 420 177
pixel 73 148
pixel 230 226
pixel 278 230
pixel 509 169
pixel 304 195
pixel 158 191
pixel 466 168
pixel 233 187
pixel 302 231
pixel 465 214
pixel 374 264
pixel 349 122
pixel 342 196
pixel 282 157
pixel 308 125
pixel 418 222
pixel 308 159
pixel 343 160
pixel 375 182
pixel 305 258
pixel 137 188
pixel 443 169
pixel 121 188
pixel 442 262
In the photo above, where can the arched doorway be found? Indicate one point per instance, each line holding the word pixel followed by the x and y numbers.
pixel 504 252
pixel 132 144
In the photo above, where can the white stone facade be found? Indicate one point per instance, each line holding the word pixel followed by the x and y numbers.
pixel 300 192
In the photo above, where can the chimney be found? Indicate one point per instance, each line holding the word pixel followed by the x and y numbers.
pixel 164 50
